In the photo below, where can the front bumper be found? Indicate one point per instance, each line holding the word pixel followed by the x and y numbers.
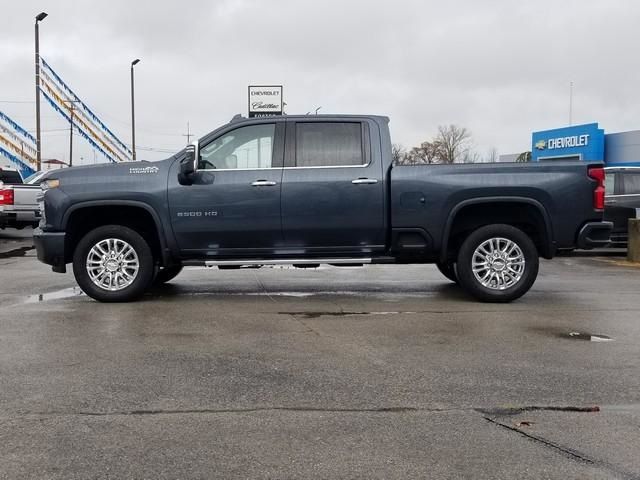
pixel 50 249
pixel 595 235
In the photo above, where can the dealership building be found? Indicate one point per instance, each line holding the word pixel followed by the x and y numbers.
pixel 587 142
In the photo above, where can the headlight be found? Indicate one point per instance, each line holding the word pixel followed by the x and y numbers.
pixel 49 184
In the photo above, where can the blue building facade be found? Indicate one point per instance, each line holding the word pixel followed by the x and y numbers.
pixel 586 142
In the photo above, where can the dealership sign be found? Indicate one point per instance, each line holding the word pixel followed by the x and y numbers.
pixel 585 142
pixel 265 100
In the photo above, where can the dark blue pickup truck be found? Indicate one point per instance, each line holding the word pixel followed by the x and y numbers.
pixel 314 190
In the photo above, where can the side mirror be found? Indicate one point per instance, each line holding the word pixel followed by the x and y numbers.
pixel 188 164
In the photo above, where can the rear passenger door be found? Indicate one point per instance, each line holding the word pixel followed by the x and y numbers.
pixel 332 188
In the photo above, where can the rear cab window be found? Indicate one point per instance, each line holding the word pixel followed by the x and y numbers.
pixel 330 144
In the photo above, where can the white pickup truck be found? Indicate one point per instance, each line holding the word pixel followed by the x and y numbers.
pixel 18 200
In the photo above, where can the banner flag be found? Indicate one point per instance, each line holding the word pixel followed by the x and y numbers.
pixel 79 119
pixel 78 129
pixel 25 170
pixel 18 150
pixel 85 108
pixel 17 127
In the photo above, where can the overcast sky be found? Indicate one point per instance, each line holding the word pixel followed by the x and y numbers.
pixel 500 68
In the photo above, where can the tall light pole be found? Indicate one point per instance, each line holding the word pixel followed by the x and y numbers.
pixel 41 16
pixel 133 114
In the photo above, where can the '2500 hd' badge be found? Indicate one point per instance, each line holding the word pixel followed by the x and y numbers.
pixel 144 169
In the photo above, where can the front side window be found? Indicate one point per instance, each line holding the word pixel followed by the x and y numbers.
pixel 324 144
pixel 248 147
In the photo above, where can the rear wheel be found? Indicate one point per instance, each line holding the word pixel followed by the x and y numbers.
pixel 448 270
pixel 113 263
pixel 497 263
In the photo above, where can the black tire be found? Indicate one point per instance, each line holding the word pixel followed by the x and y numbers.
pixel 142 279
pixel 167 274
pixel 448 270
pixel 528 273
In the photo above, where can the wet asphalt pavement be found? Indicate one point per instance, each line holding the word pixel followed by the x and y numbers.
pixel 377 372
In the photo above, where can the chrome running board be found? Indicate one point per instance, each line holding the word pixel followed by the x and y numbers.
pixel 286 261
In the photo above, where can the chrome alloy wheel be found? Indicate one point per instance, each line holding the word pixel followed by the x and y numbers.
pixel 112 264
pixel 498 263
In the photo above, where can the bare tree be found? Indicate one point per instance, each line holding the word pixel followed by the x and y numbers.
pixel 492 155
pixel 398 154
pixel 454 143
pixel 426 153
pixel 524 157
pixel 471 157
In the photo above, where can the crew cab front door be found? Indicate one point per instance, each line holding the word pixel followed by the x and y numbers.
pixel 332 188
pixel 233 206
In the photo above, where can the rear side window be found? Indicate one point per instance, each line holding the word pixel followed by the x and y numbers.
pixel 630 183
pixel 324 144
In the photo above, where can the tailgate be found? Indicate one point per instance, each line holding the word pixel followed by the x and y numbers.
pixel 24 197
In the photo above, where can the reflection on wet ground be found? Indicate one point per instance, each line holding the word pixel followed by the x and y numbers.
pixel 57 295
pixel 16 252
pixel 557 332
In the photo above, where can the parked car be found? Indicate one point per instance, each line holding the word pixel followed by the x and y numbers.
pixel 622 201
pixel 19 207
pixel 10 176
pixel 307 191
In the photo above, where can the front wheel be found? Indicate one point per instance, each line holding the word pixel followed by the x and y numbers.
pixel 497 263
pixel 113 263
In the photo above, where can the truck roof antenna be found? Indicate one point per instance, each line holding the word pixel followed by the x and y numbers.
pixel 237 117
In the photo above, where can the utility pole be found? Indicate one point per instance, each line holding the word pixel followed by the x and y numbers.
pixel 73 109
pixel 570 103
pixel 188 134
pixel 41 16
pixel 133 115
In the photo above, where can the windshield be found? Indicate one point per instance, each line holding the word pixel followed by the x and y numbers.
pixel 34 179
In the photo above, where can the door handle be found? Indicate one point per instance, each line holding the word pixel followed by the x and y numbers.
pixel 364 181
pixel 263 183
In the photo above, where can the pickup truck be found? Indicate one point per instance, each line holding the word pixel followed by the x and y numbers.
pixel 622 201
pixel 18 201
pixel 315 190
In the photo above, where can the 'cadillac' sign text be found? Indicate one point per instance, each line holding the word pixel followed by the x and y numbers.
pixel 265 100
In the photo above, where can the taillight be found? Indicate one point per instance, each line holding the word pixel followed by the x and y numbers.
pixel 6 196
pixel 597 173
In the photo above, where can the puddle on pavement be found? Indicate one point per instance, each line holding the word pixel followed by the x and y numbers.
pixel 16 252
pixel 339 314
pixel 559 332
pixel 57 295
pixel 589 337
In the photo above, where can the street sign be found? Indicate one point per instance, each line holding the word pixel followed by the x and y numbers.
pixel 265 100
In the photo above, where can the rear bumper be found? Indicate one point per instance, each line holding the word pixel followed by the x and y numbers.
pixel 14 219
pixel 595 235
pixel 50 249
